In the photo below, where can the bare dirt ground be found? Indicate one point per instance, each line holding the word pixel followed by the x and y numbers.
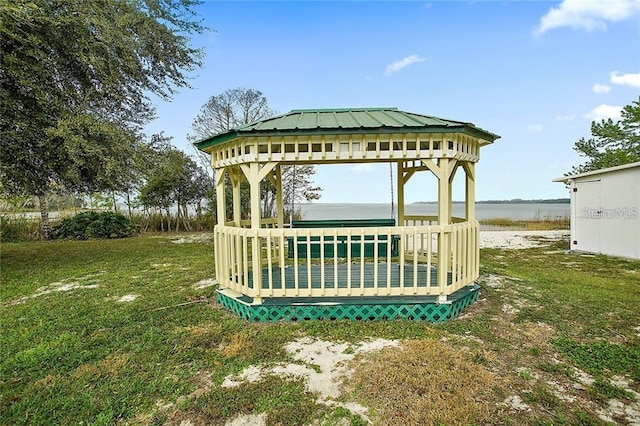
pixel 519 239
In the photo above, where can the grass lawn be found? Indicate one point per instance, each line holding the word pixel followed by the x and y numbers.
pixel 126 332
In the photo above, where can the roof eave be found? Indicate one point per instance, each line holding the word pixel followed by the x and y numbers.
pixel 205 143
pixel 598 172
pixel 485 136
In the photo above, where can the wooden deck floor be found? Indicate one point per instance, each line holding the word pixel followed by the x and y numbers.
pixel 388 275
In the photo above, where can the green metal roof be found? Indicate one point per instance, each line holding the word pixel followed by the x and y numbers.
pixel 346 120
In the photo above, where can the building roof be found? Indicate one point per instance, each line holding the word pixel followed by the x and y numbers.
pixel 300 122
pixel 598 172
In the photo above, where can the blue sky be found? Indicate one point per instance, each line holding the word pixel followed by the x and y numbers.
pixel 534 72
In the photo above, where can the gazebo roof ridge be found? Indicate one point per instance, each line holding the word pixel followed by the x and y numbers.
pixel 346 120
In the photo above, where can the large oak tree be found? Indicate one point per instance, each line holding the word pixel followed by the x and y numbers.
pixel 75 86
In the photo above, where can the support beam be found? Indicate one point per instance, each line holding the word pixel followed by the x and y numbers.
pixel 400 184
pixel 255 174
pixel 236 176
pixel 444 193
pixel 435 169
pixel 279 201
pixel 408 174
pixel 453 167
pixel 221 214
pixel 444 218
pixel 254 183
pixel 470 191
pixel 252 172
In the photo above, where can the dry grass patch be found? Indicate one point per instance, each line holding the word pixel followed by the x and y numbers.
pixel 234 345
pixel 538 224
pixel 424 382
pixel 110 366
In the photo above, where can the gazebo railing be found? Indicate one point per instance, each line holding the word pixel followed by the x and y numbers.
pixel 430 260
pixel 269 222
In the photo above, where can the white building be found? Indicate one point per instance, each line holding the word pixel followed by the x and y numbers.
pixel 605 211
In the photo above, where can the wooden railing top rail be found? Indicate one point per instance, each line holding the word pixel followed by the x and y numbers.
pixel 318 232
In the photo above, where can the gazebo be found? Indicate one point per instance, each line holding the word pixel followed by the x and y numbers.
pixel 420 267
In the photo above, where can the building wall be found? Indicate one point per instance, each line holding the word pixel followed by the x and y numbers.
pixel 606 213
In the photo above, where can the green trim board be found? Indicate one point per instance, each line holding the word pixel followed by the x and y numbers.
pixel 352 308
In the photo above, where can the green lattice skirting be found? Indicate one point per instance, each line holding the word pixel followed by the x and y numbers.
pixel 424 308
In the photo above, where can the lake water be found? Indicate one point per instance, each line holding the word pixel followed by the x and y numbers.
pixel 320 211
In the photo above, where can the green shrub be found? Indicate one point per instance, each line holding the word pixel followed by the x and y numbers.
pixel 94 225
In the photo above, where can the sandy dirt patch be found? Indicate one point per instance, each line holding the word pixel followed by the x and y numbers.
pixel 322 365
pixel 209 282
pixel 515 403
pixel 248 420
pixel 81 283
pixel 520 239
pixel 127 298
pixel 195 238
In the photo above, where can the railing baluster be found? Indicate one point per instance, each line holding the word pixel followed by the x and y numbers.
pixel 335 262
pixel 282 263
pixel 348 261
pixel 376 259
pixel 296 259
pixel 269 264
pixel 322 247
pixel 309 262
pixel 245 259
pixel 388 259
pixel 362 258
pixel 415 260
pixel 429 253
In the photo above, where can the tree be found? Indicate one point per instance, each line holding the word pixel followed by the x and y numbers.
pixel 75 83
pixel 231 108
pixel 175 180
pixel 234 108
pixel 613 143
pixel 299 187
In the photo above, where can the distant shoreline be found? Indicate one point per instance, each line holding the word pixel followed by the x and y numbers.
pixel 513 201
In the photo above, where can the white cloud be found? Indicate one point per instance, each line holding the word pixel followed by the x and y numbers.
pixel 567 117
pixel 403 63
pixel 629 79
pixel 535 128
pixel 362 168
pixel 603 112
pixel 601 88
pixel 587 14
